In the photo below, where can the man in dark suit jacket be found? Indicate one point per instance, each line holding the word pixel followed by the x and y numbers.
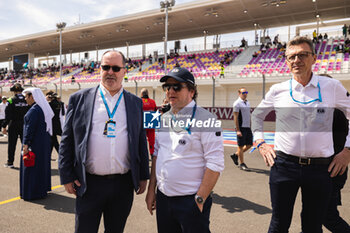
pixel 103 154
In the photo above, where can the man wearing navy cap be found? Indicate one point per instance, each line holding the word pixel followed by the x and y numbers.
pixel 188 159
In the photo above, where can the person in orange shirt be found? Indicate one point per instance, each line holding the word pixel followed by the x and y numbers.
pixel 149 105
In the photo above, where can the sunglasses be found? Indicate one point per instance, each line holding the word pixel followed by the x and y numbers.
pixel 245 92
pixel 114 68
pixel 176 87
pixel 302 56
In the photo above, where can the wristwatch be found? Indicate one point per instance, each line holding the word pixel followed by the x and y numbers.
pixel 198 199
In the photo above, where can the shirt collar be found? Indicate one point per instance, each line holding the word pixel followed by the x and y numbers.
pixel 106 92
pixel 240 99
pixel 313 82
pixel 187 109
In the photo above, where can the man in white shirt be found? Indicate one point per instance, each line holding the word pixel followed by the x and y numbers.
pixel 187 162
pixel 303 156
pixel 3 105
pixel 241 116
pixel 103 155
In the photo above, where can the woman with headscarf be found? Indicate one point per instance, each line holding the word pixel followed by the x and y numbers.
pixel 35 181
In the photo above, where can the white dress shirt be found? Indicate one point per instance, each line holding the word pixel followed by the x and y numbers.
pixel 107 155
pixel 182 158
pixel 303 130
pixel 244 107
pixel 2 110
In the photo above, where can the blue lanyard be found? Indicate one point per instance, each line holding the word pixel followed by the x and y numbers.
pixel 308 102
pixel 188 129
pixel 110 115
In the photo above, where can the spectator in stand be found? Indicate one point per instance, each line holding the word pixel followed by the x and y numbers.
pixel 262 46
pixel 275 40
pixel 279 46
pixel 320 37
pixel 186 48
pixel 222 70
pixel 347 42
pixel 314 35
pixel 255 54
pixel 345 30
pixel 243 43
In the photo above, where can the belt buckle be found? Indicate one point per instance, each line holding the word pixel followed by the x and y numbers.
pixel 303 162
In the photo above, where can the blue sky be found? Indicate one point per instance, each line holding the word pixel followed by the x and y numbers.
pixel 23 17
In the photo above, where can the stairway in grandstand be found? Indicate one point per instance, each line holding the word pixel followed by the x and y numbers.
pixel 238 64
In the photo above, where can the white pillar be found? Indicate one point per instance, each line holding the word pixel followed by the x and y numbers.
pixel 71 62
pixel 166 42
pixel 96 53
pixel 288 32
pixel 143 50
pixel 127 49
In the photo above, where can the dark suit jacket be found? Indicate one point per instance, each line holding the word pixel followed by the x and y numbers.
pixel 73 148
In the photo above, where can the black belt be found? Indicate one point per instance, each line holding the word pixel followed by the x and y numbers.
pixel 108 177
pixel 304 161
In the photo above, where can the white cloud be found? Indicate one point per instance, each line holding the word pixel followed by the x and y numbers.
pixel 37 15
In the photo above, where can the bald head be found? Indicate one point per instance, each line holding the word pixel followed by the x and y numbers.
pixel 113 53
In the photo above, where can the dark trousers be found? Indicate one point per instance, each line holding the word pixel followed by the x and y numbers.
pixel 111 197
pixel 15 129
pixel 334 222
pixel 54 143
pixel 181 214
pixel 286 178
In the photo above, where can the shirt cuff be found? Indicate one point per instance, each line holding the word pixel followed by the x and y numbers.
pixel 258 135
pixel 215 168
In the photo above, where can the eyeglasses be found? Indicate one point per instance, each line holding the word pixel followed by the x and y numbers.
pixel 114 68
pixel 176 87
pixel 302 56
pixel 245 92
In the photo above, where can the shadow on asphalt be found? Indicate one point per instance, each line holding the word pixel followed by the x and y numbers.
pixel 259 171
pixel 58 203
pixel 237 204
pixel 54 172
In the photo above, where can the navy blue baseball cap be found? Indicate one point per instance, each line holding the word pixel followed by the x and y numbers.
pixel 179 74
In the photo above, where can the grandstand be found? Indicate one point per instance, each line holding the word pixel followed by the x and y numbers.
pixel 188 21
pixel 272 62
